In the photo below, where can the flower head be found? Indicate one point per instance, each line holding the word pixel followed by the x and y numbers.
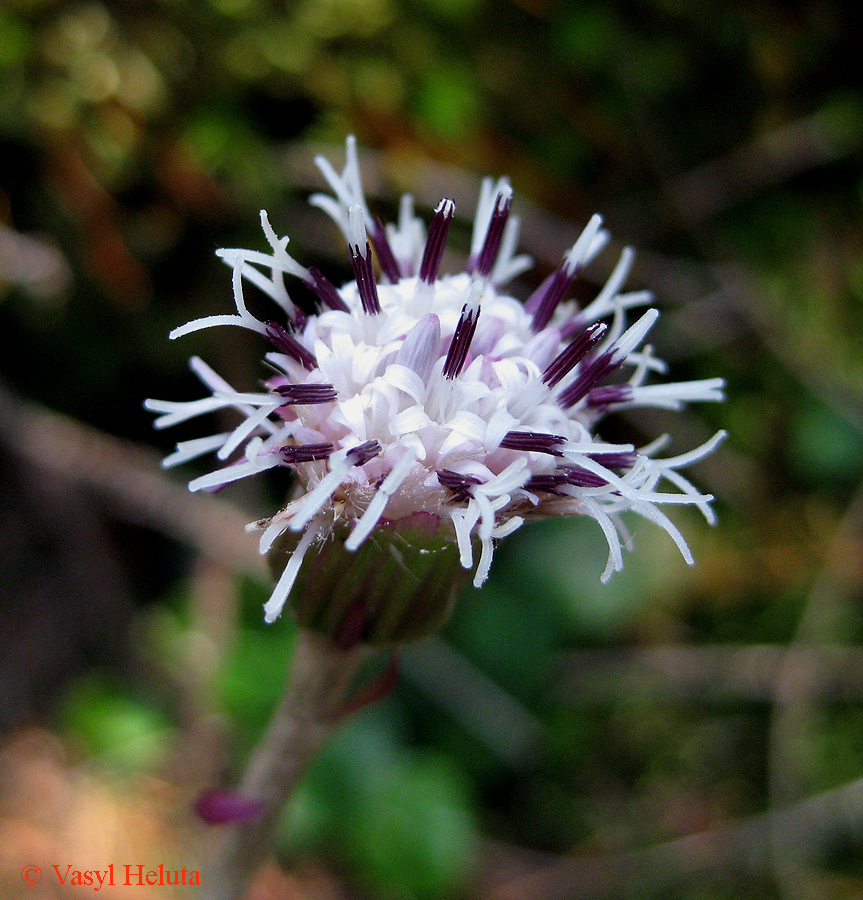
pixel 417 402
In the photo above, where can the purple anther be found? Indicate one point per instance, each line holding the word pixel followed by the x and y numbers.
pixel 488 255
pixel 550 483
pixel 302 453
pixel 306 394
pixel 554 292
pixel 326 291
pixel 460 344
pixel 283 340
pixel 609 395
pixel 581 477
pixel 533 442
pixel 362 453
pixel 438 230
pixel 623 460
pixel 593 373
pixel 573 353
pixel 219 807
pixel 361 262
pixel 384 252
pixel 460 485
pixel 572 326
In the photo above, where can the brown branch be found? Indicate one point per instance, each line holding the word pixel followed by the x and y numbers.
pixel 709 674
pixel 129 478
pixel 768 160
pixel 795 694
pixel 742 847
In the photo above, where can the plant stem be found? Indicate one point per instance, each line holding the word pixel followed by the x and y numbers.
pixel 319 683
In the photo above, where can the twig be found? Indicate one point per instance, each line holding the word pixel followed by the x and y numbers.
pixel 768 160
pixel 709 674
pixel 795 692
pixel 764 317
pixel 129 478
pixel 741 847
pixel 476 702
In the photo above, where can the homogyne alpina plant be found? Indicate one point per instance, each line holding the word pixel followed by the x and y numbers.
pixel 427 415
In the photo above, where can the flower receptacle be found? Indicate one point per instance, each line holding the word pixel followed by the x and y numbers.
pixel 398 586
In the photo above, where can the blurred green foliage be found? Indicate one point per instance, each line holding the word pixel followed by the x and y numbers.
pixel 118 731
pixel 139 135
pixel 403 819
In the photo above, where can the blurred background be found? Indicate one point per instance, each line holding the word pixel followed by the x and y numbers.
pixel 679 733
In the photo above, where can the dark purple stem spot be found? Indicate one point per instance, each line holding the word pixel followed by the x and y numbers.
pixel 219 807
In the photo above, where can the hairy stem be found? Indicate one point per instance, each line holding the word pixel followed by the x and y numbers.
pixel 319 683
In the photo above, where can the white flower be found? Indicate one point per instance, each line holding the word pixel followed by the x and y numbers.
pixel 440 394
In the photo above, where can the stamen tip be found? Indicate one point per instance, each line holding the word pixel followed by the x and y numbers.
pixel 357 237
